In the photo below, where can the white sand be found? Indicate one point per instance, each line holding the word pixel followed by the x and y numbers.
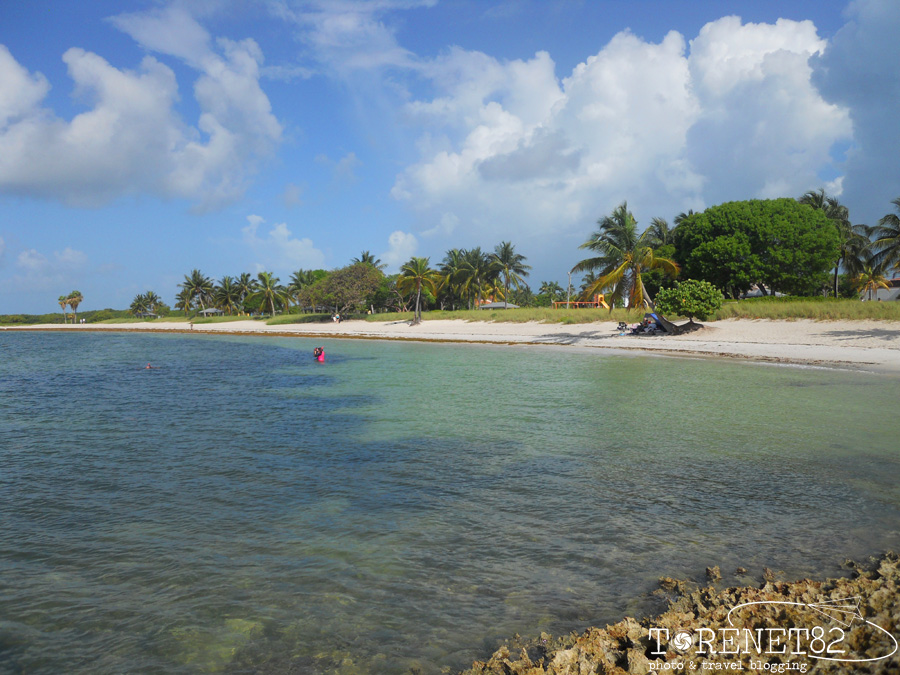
pixel 867 345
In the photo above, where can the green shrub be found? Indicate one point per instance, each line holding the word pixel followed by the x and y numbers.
pixel 690 298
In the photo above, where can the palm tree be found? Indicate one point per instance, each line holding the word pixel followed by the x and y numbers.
pixel 227 295
pixel 871 279
pixel 200 288
pixel 300 280
pixel 184 301
pixel 681 217
pixel 659 233
pixel 624 256
pixel 887 242
pixel 153 301
pixel 63 303
pixel 588 280
pixel 369 259
pixel 245 287
pixel 854 238
pixel 450 270
pixel 476 273
pixel 269 291
pixel 414 275
pixel 511 265
pixel 138 305
pixel 551 289
pixel 75 298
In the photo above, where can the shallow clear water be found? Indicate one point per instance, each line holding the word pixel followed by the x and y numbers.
pixel 245 509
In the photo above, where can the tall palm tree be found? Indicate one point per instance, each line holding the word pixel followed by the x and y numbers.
pixel 299 280
pixel 551 289
pixel 138 305
pixel 624 256
pixel 476 273
pixel 369 259
pixel 269 291
pixel 226 294
pixel 245 287
pixel 510 265
pixel 450 270
pixel 853 237
pixel 153 301
pixel 75 298
pixel 414 275
pixel 681 217
pixel 871 279
pixel 184 301
pixel 63 303
pixel 887 242
pixel 588 280
pixel 200 288
pixel 659 233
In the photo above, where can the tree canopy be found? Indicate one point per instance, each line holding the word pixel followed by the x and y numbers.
pixel 779 243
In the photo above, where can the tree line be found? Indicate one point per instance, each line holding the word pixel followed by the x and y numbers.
pixel 790 246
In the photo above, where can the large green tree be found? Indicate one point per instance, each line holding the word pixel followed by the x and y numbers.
pixel 347 288
pixel 623 257
pixel 779 244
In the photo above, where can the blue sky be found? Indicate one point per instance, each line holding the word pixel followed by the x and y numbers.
pixel 140 140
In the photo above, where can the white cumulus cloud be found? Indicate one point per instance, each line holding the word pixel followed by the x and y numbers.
pixel 278 250
pixel 401 247
pixel 510 149
pixel 131 139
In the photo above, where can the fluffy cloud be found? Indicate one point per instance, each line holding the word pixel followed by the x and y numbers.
pixel 349 36
pixel 34 271
pixel 401 247
pixel 278 250
pixel 860 69
pixel 509 149
pixel 131 140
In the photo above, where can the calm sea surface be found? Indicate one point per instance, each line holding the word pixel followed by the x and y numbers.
pixel 245 509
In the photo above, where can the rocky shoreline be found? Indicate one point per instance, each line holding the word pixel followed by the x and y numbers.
pixel 840 625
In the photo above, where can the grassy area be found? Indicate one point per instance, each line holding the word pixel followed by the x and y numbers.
pixel 283 319
pixel 522 315
pixel 816 309
pixel 813 308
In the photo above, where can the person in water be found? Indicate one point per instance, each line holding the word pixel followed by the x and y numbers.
pixel 148 367
pixel 319 353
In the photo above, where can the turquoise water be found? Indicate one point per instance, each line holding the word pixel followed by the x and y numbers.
pixel 245 509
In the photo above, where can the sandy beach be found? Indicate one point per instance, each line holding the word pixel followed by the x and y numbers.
pixel 864 345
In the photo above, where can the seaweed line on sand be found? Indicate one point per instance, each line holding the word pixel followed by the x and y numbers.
pixel 627 646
